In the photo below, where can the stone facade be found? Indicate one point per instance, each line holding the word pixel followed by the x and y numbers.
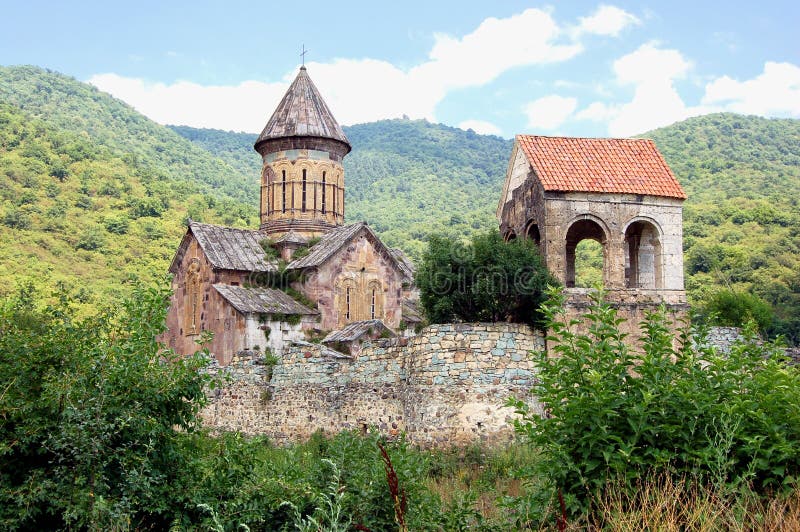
pixel 447 385
pixel 360 281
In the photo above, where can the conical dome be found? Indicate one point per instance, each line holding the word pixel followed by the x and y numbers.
pixel 302 113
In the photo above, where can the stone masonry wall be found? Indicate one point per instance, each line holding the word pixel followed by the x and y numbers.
pixel 448 385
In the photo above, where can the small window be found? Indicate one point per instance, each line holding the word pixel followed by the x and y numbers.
pixel 372 305
pixel 347 304
pixel 324 192
pixel 283 187
pixel 303 202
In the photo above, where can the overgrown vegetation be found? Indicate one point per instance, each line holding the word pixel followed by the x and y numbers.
pixel 486 280
pixel 614 415
pixel 100 431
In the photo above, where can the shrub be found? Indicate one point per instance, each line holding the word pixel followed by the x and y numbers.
pixel 612 414
pixel 486 280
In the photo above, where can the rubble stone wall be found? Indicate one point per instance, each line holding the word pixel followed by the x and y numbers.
pixel 447 385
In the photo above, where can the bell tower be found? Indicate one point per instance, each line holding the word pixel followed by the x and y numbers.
pixel 302 177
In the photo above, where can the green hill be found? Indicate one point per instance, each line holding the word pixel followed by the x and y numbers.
pixel 742 218
pixel 93 194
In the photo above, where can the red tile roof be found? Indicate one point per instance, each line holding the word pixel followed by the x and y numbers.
pixel 628 166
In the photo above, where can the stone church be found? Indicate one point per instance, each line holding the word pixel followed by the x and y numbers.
pixel 303 272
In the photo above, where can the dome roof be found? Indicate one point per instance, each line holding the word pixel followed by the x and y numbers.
pixel 302 113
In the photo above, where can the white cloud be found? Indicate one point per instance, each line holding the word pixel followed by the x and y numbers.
pixel 597 112
pixel 480 126
pixel 774 92
pixel 361 90
pixel 607 20
pixel 656 103
pixel 549 112
pixel 221 107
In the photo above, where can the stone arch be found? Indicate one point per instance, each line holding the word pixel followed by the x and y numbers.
pixel 509 235
pixel 643 254
pixel 532 232
pixel 579 229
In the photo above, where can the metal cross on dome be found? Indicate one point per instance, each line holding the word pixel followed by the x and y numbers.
pixel 303 54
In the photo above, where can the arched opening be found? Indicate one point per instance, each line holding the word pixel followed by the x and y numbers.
pixel 579 232
pixel 532 232
pixel 509 235
pixel 643 268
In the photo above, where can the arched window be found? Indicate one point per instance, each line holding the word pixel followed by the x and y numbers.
pixel 643 256
pixel 372 306
pixel 532 232
pixel 303 201
pixel 324 192
pixel 335 190
pixel 283 189
pixel 586 241
pixel 347 304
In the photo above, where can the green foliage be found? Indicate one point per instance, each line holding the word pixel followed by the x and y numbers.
pixel 486 280
pixel 81 173
pixel 742 217
pixel 90 409
pixel 614 415
pixel 736 309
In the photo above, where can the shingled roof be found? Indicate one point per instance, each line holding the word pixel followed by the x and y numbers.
pixel 357 329
pixel 261 300
pixel 627 166
pixel 329 244
pixel 302 113
pixel 228 248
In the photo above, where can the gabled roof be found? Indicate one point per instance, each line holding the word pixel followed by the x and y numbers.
pixel 405 263
pixel 410 312
pixel 628 166
pixel 261 300
pixel 302 113
pixel 330 243
pixel 228 248
pixel 291 238
pixel 357 329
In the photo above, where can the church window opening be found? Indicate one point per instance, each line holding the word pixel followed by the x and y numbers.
pixel 335 193
pixel 303 203
pixel 347 304
pixel 372 306
pixel 323 192
pixel 283 190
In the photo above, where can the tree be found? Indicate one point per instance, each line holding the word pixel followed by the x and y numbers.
pixel 89 413
pixel 486 280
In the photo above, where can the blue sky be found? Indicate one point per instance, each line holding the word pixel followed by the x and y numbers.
pixel 572 68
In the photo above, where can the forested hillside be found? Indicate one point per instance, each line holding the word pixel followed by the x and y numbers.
pixel 93 194
pixel 742 218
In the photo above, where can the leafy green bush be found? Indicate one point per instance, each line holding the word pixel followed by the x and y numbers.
pixel 735 309
pixel 486 280
pixel 90 409
pixel 612 414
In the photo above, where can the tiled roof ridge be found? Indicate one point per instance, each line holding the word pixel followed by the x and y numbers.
pixel 607 165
